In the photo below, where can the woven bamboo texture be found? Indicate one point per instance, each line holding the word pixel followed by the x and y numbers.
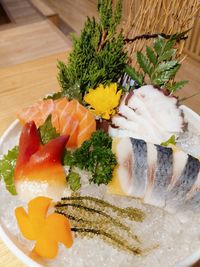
pixel 162 16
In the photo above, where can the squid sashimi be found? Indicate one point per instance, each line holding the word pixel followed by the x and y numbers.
pixel 38 167
pixel 68 118
pixel 160 176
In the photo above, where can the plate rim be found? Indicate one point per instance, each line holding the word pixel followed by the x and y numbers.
pixel 187 261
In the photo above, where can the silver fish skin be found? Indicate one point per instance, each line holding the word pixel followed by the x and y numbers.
pixel 178 194
pixel 162 176
pixel 158 175
pixel 140 167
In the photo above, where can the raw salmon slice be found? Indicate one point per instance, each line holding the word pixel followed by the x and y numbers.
pixel 38 112
pixel 68 117
pixel 70 127
pixel 60 104
pixel 86 127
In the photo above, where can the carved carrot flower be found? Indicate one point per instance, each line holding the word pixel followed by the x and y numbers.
pixel 103 100
pixel 46 230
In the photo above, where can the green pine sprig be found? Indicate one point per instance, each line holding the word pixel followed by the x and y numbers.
pixel 97 56
pixel 158 65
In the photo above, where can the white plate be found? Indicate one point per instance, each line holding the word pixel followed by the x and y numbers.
pixel 10 138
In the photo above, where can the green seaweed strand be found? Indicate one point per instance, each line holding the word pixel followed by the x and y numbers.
pixel 133 214
pixel 113 239
pixel 85 222
pixel 91 210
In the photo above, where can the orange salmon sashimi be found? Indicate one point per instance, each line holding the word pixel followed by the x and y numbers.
pixel 86 127
pixel 38 112
pixel 59 106
pixel 71 127
pixel 80 114
pixel 68 117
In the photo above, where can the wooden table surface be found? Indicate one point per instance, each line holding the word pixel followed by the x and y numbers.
pixel 21 85
pixel 31 41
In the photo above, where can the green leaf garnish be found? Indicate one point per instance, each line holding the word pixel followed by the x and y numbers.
pixel 167 55
pixel 74 181
pixel 159 65
pixel 47 131
pixel 68 159
pixel 143 62
pixel 165 66
pixel 151 55
pixel 158 45
pixel 136 76
pixel 54 96
pixel 176 86
pixel 7 166
pixel 171 140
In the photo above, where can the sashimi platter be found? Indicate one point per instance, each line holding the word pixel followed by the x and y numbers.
pixel 105 172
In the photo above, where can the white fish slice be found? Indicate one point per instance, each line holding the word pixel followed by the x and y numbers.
pixel 161 177
pixel 151 162
pixel 157 174
pixel 177 195
pixel 139 167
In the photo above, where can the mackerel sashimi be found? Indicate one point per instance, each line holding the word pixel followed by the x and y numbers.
pixel 160 176
pixel 68 118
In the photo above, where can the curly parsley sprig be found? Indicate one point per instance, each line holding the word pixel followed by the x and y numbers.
pixel 95 156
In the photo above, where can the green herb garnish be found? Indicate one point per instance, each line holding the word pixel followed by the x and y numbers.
pixel 47 131
pixel 159 65
pixel 74 181
pixel 95 156
pixel 54 96
pixel 7 166
pixel 97 56
pixel 171 140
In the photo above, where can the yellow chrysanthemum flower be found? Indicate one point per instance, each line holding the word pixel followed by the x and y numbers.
pixel 103 100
